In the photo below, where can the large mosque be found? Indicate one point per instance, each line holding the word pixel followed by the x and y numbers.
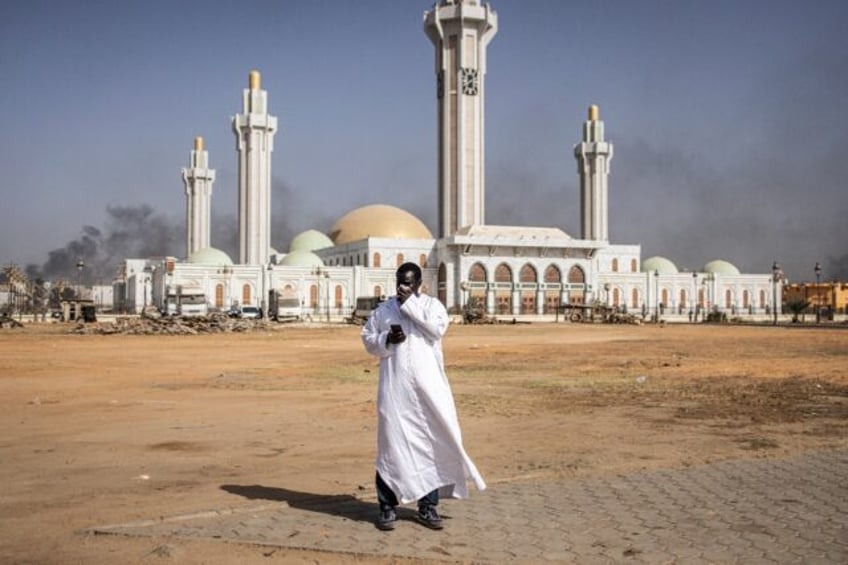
pixel 515 271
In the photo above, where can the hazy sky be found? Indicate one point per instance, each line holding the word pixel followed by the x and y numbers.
pixel 729 118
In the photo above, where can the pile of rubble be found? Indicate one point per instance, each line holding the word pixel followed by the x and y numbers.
pixel 213 323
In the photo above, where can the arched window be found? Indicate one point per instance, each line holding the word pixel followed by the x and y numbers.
pixel 745 298
pixel 527 274
pixel 339 292
pixel 477 273
pixel 701 295
pixel 219 296
pixel 762 299
pixel 422 261
pixel 728 299
pixel 576 275
pixel 633 265
pixel 553 274
pixel 399 259
pixel 245 294
pixel 378 291
pixel 614 264
pixel 313 296
pixel 503 273
pixel 616 297
pixel 664 300
pixel 682 302
pixel 634 298
pixel 376 259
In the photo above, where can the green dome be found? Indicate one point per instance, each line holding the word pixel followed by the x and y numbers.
pixel 660 264
pixel 302 259
pixel 209 256
pixel 720 267
pixel 310 240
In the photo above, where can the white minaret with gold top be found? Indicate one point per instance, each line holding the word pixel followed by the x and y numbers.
pixel 254 129
pixel 460 31
pixel 198 179
pixel 593 156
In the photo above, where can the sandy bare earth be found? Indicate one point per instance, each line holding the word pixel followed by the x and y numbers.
pixel 99 430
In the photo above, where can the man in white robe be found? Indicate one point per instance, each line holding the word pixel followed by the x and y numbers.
pixel 419 445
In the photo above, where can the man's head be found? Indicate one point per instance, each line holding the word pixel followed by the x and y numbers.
pixel 409 274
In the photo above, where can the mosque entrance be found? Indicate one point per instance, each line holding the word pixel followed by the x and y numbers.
pixel 553 289
pixel 503 289
pixel 576 285
pixel 527 277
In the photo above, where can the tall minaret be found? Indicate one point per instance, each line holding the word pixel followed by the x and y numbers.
pixel 198 179
pixel 593 157
pixel 460 30
pixel 254 129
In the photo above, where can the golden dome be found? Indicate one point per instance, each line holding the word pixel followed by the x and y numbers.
pixel 378 220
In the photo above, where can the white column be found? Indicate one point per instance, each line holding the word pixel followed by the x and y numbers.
pixel 460 31
pixel 198 179
pixel 254 129
pixel 593 155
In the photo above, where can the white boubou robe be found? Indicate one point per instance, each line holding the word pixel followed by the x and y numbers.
pixel 419 445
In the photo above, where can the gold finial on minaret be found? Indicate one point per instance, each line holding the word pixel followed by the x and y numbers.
pixel 594 113
pixel 255 80
pixel 198 143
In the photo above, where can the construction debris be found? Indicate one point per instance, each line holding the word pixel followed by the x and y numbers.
pixel 213 323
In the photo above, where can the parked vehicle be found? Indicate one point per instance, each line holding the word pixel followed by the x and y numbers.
pixel 283 309
pixel 364 306
pixel 251 313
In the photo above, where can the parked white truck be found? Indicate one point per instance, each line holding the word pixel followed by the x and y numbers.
pixel 283 308
pixel 186 301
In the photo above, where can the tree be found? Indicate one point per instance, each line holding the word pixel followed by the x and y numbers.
pixel 797 306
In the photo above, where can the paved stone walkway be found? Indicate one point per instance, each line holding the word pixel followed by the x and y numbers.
pixel 792 510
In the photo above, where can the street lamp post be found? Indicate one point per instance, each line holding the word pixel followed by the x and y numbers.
pixel 817 269
pixel 775 270
pixel 656 295
pixel 80 267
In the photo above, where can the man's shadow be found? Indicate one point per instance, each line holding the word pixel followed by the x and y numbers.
pixel 342 505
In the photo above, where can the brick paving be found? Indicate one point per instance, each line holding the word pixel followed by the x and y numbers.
pixel 792 510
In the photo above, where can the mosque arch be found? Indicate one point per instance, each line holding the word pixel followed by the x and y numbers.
pixel 577 285
pixel 376 261
pixel 219 295
pixel 477 285
pixel 553 289
pixel 339 296
pixel 664 299
pixel 616 297
pixel 477 273
pixel 443 284
pixel 701 298
pixel 313 297
pixel 745 298
pixel 246 294
pixel 634 298
pixel 762 298
pixel 576 275
pixel 528 278
pixel 682 302
pixel 503 289
pixel 728 298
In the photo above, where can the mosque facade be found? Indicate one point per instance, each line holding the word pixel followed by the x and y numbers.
pixel 512 271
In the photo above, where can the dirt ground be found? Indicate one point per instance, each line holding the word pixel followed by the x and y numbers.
pixel 98 430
